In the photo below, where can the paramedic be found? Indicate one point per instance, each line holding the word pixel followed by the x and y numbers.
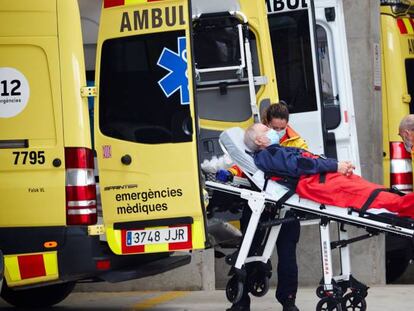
pixel 406 131
pixel 276 116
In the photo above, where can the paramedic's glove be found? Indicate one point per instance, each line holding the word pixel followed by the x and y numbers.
pixel 346 168
pixel 224 175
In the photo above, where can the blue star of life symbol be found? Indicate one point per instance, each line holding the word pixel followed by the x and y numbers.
pixel 177 78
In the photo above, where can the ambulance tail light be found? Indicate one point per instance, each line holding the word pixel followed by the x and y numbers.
pixel 80 187
pixel 401 167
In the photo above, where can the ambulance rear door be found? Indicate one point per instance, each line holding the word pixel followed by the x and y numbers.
pixel 146 129
pixel 292 32
pixel 335 79
pixel 310 52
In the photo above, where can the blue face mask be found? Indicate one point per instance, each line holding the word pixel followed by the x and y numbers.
pixel 273 136
pixel 281 133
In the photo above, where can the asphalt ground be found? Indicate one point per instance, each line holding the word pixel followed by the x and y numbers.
pixel 380 298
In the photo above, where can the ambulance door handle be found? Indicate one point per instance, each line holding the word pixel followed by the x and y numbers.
pixel 187 126
pixel 126 159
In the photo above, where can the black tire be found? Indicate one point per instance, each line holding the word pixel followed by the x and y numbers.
pixel 328 304
pixel 320 291
pixel 354 302
pixel 234 290
pixel 44 296
pixel 259 285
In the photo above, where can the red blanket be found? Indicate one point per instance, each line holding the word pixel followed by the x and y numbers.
pixel 352 191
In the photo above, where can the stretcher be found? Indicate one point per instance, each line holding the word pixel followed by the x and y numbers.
pixel 340 292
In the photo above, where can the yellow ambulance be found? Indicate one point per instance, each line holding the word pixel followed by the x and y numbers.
pixel 397 50
pixel 150 137
pixel 397 41
pixel 48 203
pixel 154 61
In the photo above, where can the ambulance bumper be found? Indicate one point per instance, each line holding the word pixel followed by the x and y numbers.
pixel 79 256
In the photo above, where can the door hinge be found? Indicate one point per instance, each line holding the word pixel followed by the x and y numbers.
pixel 406 98
pixel 89 91
pixel 96 230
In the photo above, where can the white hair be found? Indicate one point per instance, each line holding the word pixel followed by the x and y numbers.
pixel 250 137
pixel 407 123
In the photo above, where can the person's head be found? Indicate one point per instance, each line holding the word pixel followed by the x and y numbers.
pixel 406 131
pixel 259 136
pixel 276 116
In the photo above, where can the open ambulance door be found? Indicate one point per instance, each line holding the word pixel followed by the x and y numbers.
pixel 146 129
pixel 292 32
pixel 313 75
pixel 335 77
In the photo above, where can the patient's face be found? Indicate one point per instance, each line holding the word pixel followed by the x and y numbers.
pixel 261 139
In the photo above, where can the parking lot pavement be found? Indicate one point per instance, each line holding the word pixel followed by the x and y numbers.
pixel 381 298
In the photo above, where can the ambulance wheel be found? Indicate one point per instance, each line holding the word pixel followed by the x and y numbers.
pixel 234 289
pixel 38 297
pixel 354 302
pixel 328 304
pixel 258 285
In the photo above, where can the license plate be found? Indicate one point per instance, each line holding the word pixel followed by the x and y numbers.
pixel 156 236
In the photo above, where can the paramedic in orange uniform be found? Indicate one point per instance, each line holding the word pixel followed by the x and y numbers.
pixel 277 117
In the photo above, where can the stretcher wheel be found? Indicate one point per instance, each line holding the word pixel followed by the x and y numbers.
pixel 329 304
pixel 320 291
pixel 258 285
pixel 234 289
pixel 354 302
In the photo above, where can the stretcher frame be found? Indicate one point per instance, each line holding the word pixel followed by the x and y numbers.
pixel 332 286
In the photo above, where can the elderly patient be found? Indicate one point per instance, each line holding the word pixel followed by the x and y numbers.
pixel 323 180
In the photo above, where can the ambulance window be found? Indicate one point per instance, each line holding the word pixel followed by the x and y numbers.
pixel 409 69
pixel 133 106
pixel 331 109
pixel 222 92
pixel 216 43
pixel 293 59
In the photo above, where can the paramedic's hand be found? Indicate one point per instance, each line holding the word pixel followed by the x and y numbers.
pixel 346 168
